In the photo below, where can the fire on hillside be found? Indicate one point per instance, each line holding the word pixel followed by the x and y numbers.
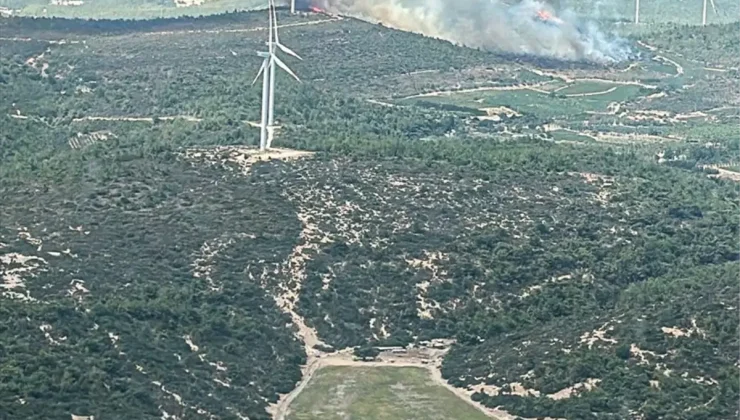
pixel 528 27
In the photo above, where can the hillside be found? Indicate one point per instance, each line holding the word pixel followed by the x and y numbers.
pixel 129 9
pixel 555 220
pixel 653 12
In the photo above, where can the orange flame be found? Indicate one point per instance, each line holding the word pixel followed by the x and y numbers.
pixel 544 15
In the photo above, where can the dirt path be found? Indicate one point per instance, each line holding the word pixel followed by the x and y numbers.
pixel 381 103
pixel 536 87
pixel 139 119
pixel 286 299
pixel 478 89
pixel 649 47
pixel 731 175
pixel 679 68
pixel 580 95
pixel 724 173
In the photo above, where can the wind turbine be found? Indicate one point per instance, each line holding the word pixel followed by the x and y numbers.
pixel 637 11
pixel 704 12
pixel 267 71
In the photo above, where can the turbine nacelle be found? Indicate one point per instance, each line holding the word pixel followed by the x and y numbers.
pixel 269 59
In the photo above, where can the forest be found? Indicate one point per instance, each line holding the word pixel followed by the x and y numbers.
pixel 138 284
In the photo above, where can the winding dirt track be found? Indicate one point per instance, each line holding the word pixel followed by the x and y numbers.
pixel 478 89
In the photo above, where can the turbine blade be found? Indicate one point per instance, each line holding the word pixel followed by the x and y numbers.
pixel 271 24
pixel 259 73
pixel 284 67
pixel 274 19
pixel 263 54
pixel 714 7
pixel 288 50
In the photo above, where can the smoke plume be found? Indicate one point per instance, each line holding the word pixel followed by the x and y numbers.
pixel 526 27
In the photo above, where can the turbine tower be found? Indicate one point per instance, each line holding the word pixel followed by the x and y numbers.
pixel 267 71
pixel 704 12
pixel 637 11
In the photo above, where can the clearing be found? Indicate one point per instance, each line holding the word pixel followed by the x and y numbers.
pixel 339 392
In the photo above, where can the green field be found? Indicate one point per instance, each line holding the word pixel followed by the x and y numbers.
pixel 566 135
pixel 340 392
pixel 543 105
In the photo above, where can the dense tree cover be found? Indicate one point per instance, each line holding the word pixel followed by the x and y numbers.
pixel 711 45
pixel 143 221
pixel 503 242
pixel 669 379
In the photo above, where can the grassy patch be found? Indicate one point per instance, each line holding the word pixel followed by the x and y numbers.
pixel 339 392
pixel 586 87
pixel 543 105
pixel 566 135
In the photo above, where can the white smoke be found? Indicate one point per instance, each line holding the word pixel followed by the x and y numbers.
pixel 492 25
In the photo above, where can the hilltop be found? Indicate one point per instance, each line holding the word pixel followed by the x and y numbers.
pixel 566 229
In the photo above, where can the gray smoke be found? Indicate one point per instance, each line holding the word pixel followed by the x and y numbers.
pixel 492 25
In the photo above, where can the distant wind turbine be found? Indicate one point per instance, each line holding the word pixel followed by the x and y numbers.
pixel 637 11
pixel 267 71
pixel 704 12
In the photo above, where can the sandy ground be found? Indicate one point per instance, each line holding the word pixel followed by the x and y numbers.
pixel 724 173
pixel 242 156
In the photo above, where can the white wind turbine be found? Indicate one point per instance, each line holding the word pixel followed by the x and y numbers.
pixel 704 12
pixel 637 11
pixel 267 70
